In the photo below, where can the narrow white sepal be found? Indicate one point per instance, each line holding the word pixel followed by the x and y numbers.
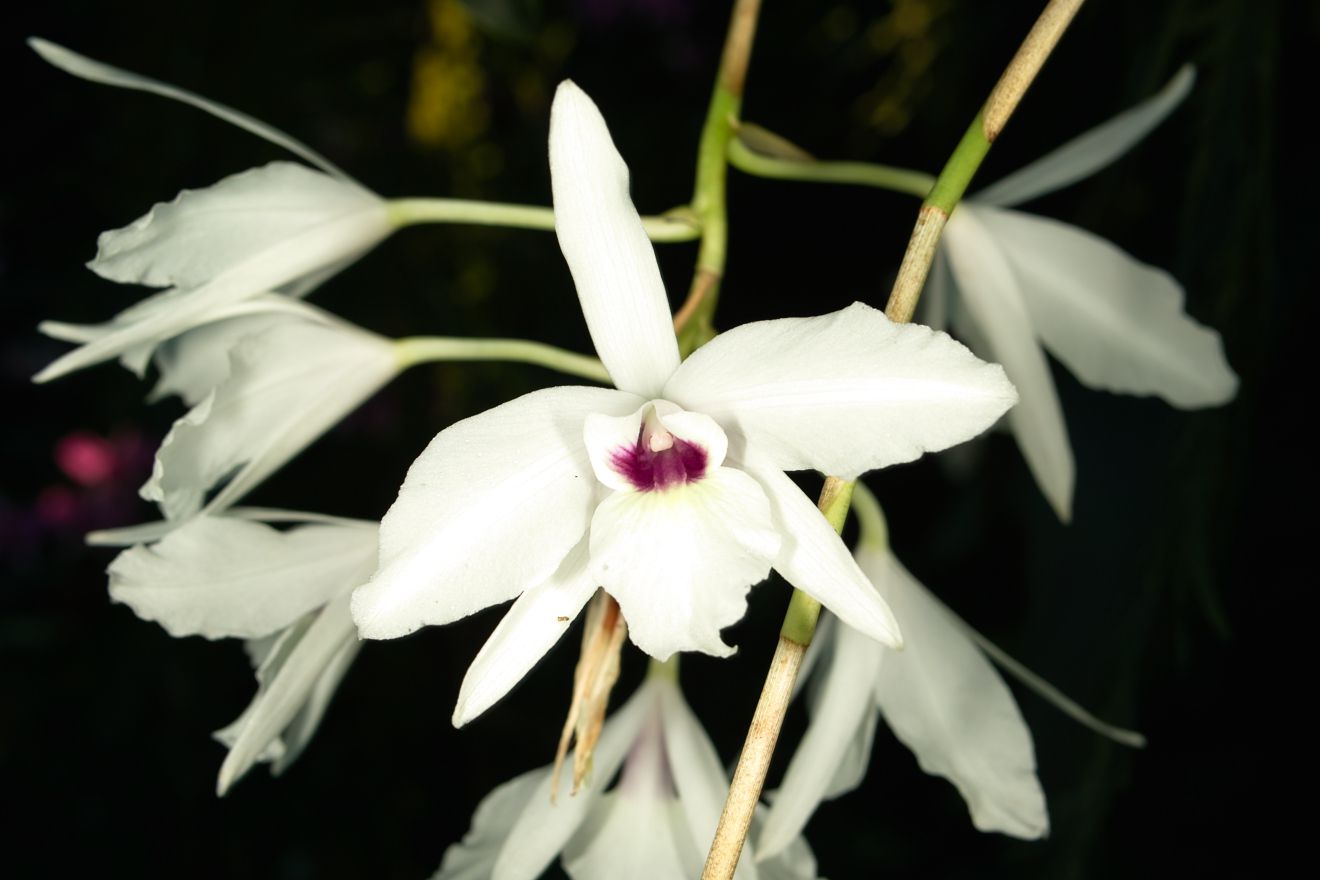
pixel 945 702
pixel 98 72
pixel 612 261
pixel 1087 153
pixel 814 559
pixel 530 628
pixel 991 295
pixel 842 709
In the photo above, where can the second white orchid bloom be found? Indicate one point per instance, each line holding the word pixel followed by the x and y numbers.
pixel 1009 282
pixel 281 227
pixel 285 592
pixel 669 492
pixel 287 378
pixel 656 823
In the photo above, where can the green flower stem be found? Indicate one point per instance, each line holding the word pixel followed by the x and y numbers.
pixel 667 669
pixel 679 224
pixel 752 161
pixel 800 621
pixel 695 320
pixel 971 150
pixel 425 349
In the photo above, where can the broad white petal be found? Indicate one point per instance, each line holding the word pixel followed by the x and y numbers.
pixel 285 388
pixel 543 828
pixel 680 561
pixel 173 311
pixel 1117 323
pixel 813 558
pixel 842 393
pixel 1088 153
pixel 205 232
pixel 612 261
pixel 489 509
pixel 843 713
pixel 530 628
pixel 991 294
pixel 698 775
pixel 223 578
pixel 945 701
pixel 474 857
pixel 297 678
pixel 85 68
pixel 633 835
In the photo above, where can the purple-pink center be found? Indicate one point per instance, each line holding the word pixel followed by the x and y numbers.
pixel 646 468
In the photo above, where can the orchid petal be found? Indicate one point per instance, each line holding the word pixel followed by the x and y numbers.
pixel 474 857
pixel 633 835
pixel 933 307
pixel 204 232
pixel 1088 153
pixel 944 700
pixel 680 561
pixel 842 393
pixel 813 558
pixel 221 577
pixel 514 476
pixel 1117 323
pixel 195 362
pixel 285 388
pixel 529 629
pixel 322 645
pixel 991 295
pixel 95 71
pixel 544 827
pixel 843 713
pixel 299 732
pixel 612 261
pixel 698 775
pixel 178 309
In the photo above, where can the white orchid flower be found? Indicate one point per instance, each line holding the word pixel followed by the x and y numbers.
pixel 1009 283
pixel 657 822
pixel 281 227
pixel 669 492
pixel 286 593
pixel 286 379
pixel 940 695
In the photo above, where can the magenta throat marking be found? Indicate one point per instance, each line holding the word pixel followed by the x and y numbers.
pixel 681 463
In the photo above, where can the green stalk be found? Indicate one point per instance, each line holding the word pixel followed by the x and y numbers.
pixel 746 158
pixel 425 349
pixel 676 225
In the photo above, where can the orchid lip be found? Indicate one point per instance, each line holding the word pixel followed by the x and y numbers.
pixel 658 460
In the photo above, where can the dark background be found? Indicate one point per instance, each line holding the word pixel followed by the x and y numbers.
pixel 1164 606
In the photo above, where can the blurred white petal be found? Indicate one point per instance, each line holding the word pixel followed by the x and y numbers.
pixel 1086 154
pixel 220 577
pixel 991 294
pixel 1116 323
pixel 285 388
